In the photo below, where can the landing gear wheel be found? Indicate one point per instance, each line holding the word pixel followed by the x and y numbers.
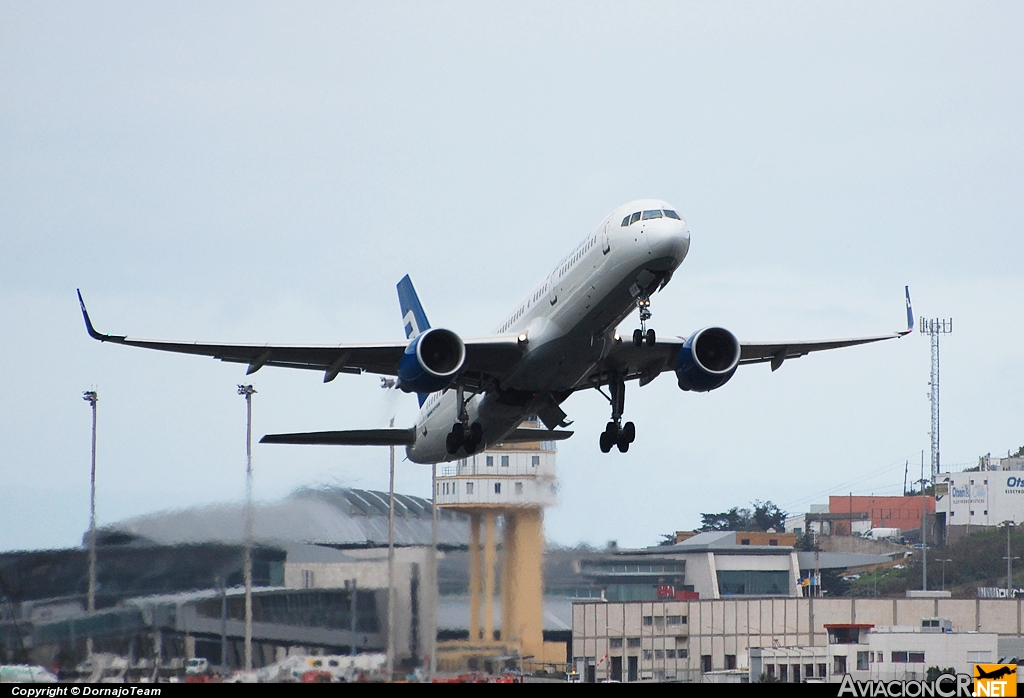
pixel 628 433
pixel 476 433
pixel 638 338
pixel 651 338
pixel 470 448
pixel 623 444
pixel 451 444
pixel 607 441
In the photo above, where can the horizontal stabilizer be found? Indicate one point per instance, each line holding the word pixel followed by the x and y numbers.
pixel 354 437
pixel 521 436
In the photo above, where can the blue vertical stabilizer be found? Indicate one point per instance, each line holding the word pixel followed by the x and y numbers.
pixel 413 318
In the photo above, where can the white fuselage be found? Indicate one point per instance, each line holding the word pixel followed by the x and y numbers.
pixel 569 321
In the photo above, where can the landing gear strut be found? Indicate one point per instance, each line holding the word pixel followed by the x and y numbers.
pixel 643 303
pixel 463 434
pixel 617 434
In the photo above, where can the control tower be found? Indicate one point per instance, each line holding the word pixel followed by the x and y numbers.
pixel 514 482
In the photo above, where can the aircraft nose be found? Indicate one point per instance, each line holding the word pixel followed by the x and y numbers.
pixel 671 241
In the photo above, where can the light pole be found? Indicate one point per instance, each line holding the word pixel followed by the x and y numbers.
pixel 1009 560
pixel 248 391
pixel 92 398
pixel 944 572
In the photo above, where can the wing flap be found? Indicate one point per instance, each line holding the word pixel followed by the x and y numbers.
pixel 525 436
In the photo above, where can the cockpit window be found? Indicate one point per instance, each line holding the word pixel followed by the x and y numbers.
pixel 671 214
pixel 634 218
pixel 625 221
pixel 651 214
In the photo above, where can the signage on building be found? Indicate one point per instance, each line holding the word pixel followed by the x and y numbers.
pixel 999 593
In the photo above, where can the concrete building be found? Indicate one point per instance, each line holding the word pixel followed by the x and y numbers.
pixel 699 640
pixel 869 652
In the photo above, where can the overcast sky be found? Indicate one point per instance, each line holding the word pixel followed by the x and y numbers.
pixel 268 172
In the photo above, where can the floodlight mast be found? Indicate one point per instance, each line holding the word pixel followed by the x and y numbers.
pixel 248 391
pixel 92 398
pixel 934 328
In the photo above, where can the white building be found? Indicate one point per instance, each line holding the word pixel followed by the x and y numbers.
pixel 870 652
pixel 978 498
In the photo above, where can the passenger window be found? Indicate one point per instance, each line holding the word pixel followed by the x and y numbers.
pixel 625 221
pixel 671 214
pixel 634 218
pixel 651 214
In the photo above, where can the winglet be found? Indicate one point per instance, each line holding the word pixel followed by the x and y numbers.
pixel 88 323
pixel 910 313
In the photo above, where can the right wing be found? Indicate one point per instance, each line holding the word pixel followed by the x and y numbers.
pixel 485 357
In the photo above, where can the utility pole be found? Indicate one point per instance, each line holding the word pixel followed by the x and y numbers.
pixel 92 398
pixel 248 391
pixel 944 572
pixel 934 329
pixel 924 529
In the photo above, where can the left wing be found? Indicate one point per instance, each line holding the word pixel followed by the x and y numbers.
pixel 645 363
pixel 488 356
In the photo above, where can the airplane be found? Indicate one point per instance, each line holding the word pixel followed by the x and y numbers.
pixel 562 338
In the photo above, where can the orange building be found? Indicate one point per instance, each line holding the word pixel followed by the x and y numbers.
pixel 903 513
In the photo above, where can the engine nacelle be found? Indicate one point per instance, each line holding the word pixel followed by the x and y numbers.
pixel 431 361
pixel 707 359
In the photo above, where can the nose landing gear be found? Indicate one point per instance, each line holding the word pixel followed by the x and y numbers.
pixel 643 303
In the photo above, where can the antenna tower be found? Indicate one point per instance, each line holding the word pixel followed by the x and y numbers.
pixel 935 328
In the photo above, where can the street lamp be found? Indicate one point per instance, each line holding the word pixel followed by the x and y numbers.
pixel 92 398
pixel 248 391
pixel 943 572
pixel 1009 560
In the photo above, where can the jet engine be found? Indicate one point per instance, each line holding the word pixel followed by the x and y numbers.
pixel 707 359
pixel 431 361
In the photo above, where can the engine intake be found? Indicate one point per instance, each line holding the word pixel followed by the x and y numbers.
pixel 707 359
pixel 431 361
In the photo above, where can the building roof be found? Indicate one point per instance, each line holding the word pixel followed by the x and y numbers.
pixel 719 542
pixel 329 516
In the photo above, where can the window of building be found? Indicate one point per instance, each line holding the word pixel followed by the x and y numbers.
pixel 615 643
pixel 683 653
pixel 784 673
pixel 670 654
pixel 648 620
pixel 899 657
pixel 916 657
pixel 490 461
pixel 504 461
pixel 648 655
pixel 469 488
pixel 497 488
pixel 878 657
pixel 659 654
pixel 753 582
pixel 838 665
pixel 770 671
pixel 307 579
pixel 730 661
pixel 808 671
pixel 535 461
pixel 519 488
pixel 659 621
pixel 822 670
pixel 674 620
pixel 862 661
pixel 744 541
pixel 633 642
pixel 705 663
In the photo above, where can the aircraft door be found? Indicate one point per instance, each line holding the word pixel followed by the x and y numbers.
pixel 605 246
pixel 552 289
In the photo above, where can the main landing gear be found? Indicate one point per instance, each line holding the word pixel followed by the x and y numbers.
pixel 463 434
pixel 643 302
pixel 617 434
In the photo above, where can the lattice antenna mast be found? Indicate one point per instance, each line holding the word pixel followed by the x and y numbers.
pixel 934 329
